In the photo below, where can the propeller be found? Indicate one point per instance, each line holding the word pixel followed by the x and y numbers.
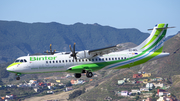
pixel 51 52
pixel 73 52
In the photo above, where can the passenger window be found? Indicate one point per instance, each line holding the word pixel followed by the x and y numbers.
pixel 109 58
pixel 121 58
pixel 124 57
pixel 106 58
pixel 102 59
pixel 118 58
pixel 112 58
pixel 21 61
pixel 25 60
pixel 82 60
pixel 96 59
pixel 56 61
pixel 86 60
pixel 59 61
pixel 89 59
pixel 115 58
pixel 92 59
pixel 99 59
pixel 72 60
pixel 53 61
pixel 63 61
pixel 46 61
pixel 49 61
pixel 66 60
pixel 69 60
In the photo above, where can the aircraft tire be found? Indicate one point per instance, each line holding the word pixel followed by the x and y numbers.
pixel 77 75
pixel 89 74
pixel 18 78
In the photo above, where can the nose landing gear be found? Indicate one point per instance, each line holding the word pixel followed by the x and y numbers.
pixel 18 74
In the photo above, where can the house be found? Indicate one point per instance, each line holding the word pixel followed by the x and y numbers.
pixel 137 75
pixel 153 79
pixel 145 81
pixel 50 92
pixel 146 75
pixel 139 81
pixel 158 85
pixel 164 94
pixel 120 82
pixel 144 89
pixel 10 96
pixel 124 93
pixel 149 85
pixel 135 91
pixel 160 90
pixel 165 99
pixel 36 89
pixel 118 93
pixel 73 82
pixel 58 81
pixel 159 78
pixel 49 87
pixel 133 82
pixel 33 81
pixel 68 89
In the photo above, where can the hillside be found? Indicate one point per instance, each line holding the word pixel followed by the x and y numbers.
pixel 19 39
pixel 168 67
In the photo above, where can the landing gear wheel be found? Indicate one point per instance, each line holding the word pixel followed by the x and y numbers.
pixel 89 74
pixel 18 78
pixel 77 75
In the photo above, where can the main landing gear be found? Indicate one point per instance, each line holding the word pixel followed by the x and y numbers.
pixel 88 74
pixel 18 78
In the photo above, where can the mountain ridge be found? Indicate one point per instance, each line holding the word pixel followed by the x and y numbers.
pixel 19 38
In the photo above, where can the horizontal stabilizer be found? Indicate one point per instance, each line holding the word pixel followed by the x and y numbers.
pixel 162 28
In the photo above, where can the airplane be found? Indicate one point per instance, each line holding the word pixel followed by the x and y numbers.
pixel 89 61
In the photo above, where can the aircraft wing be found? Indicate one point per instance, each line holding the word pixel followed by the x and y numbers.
pixel 105 50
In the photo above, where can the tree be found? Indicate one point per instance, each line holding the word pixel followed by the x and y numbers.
pixel 1 83
pixel 75 94
pixel 68 84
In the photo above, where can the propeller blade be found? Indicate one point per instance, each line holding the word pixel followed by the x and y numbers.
pixel 70 48
pixel 51 49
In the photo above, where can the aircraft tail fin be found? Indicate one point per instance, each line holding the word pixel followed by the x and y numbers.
pixel 156 39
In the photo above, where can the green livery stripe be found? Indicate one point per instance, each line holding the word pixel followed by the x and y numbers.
pixel 156 53
pixel 158 31
pixel 34 72
pixel 98 66
pixel 14 64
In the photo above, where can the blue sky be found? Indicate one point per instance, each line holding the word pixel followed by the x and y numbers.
pixel 140 14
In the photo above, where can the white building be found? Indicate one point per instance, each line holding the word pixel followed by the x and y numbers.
pixel 124 93
pixel 158 85
pixel 144 89
pixel 149 85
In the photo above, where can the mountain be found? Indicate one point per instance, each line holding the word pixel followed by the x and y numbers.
pixel 19 39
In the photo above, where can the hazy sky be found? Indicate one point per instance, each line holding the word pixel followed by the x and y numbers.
pixel 140 14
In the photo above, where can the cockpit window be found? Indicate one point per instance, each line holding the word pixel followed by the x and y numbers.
pixel 25 60
pixel 17 61
pixel 22 60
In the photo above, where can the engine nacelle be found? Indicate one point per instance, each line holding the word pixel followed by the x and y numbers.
pixel 84 54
